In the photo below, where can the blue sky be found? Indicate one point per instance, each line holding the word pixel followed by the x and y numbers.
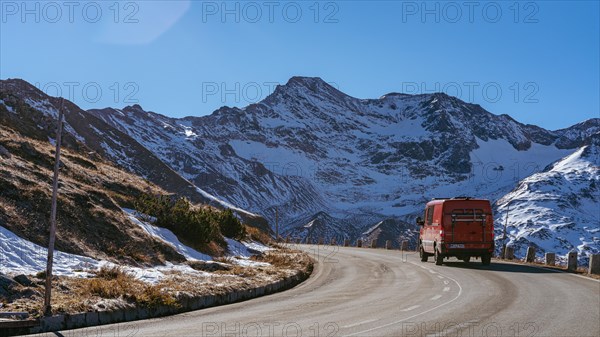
pixel 536 61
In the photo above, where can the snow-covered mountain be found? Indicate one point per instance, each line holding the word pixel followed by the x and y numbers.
pixel 557 210
pixel 393 230
pixel 309 148
pixel 331 164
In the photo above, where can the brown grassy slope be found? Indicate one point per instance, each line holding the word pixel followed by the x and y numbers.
pixel 90 220
pixel 99 137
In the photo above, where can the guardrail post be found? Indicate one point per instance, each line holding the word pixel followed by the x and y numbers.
pixel 373 243
pixel 404 245
pixel 321 241
pixel 530 254
pixel 333 243
pixel 572 261
pixel 298 241
pixel 594 264
pixel 388 244
pixel 510 252
pixel 346 242
pixel 550 259
pixel 359 243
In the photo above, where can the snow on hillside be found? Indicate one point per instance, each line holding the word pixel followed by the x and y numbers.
pixel 167 236
pixel 309 148
pixel 238 251
pixel 20 256
pixel 8 107
pixel 557 210
pixel 223 203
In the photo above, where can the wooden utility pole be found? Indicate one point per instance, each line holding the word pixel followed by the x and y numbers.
pixel 504 231
pixel 47 295
pixel 276 224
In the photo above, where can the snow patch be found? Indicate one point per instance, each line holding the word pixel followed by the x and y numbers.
pixel 20 256
pixel 168 237
pixel 9 108
pixel 222 202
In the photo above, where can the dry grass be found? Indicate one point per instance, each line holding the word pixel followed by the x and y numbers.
pixel 113 288
pixel 284 259
pixel 213 249
pixel 255 234
pixel 114 283
pixel 238 270
pixel 92 193
pixel 111 273
pixel 225 259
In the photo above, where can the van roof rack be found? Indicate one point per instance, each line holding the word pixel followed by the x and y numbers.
pixel 458 198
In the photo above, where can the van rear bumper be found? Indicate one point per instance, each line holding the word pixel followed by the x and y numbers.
pixel 463 249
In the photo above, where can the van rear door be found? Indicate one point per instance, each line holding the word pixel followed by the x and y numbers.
pixel 466 225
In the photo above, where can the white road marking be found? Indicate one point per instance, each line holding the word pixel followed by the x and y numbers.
pixel 446 289
pixel 411 308
pixel 361 323
pixel 431 271
pixel 436 297
pixel 441 277
pixel 446 282
pixel 415 315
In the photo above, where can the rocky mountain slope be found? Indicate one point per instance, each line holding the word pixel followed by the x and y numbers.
pixel 558 209
pixel 83 129
pixel 91 221
pixel 332 165
pixel 309 148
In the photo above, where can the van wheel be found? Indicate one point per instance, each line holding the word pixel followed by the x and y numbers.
pixel 438 257
pixel 466 259
pixel 486 259
pixel 423 255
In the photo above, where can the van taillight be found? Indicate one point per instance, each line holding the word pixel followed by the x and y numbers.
pixel 442 234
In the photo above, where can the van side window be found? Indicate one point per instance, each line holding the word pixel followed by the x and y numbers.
pixel 429 216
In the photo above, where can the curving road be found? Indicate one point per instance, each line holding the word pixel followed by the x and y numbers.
pixel 368 292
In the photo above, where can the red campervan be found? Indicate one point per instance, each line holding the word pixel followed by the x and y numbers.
pixel 461 227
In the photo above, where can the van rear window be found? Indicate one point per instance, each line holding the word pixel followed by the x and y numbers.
pixel 468 215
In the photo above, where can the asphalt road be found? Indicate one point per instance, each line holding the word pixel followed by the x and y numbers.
pixel 369 292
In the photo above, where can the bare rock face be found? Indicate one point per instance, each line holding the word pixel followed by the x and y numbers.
pixel 4 153
pixel 24 280
pixel 393 230
pixel 6 284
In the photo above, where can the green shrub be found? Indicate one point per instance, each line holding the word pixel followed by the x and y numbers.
pixel 231 226
pixel 194 226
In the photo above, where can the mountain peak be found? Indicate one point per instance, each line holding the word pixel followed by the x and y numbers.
pixel 20 85
pixel 135 107
pixel 305 80
pixel 314 84
pixel 299 86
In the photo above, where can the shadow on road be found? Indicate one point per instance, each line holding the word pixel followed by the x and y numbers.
pixel 501 267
